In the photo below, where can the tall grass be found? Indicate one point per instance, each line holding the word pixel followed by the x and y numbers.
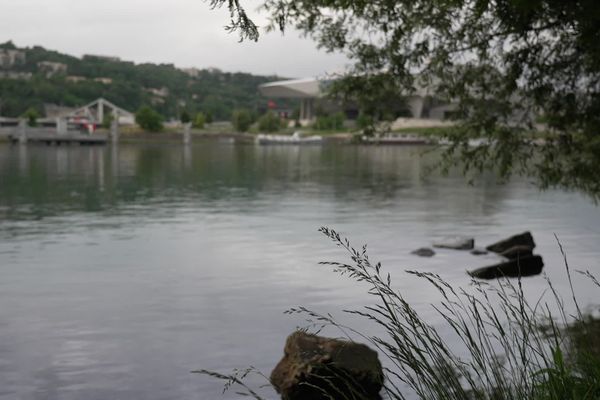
pixel 510 348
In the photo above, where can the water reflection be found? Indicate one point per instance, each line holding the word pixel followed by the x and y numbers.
pixel 40 182
pixel 125 267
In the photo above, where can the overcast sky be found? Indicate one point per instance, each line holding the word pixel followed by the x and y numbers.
pixel 186 33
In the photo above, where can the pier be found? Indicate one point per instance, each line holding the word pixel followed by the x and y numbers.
pixel 50 137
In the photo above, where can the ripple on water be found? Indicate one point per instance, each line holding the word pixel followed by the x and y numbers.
pixel 123 271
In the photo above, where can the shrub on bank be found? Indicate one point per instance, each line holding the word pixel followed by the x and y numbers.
pixel 199 121
pixel 269 122
pixel 149 120
pixel 241 120
pixel 32 116
pixel 185 117
pixel 330 122
pixel 107 120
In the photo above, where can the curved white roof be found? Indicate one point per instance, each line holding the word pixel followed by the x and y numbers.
pixel 293 89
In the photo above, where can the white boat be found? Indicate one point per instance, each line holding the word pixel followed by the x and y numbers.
pixel 396 139
pixel 285 139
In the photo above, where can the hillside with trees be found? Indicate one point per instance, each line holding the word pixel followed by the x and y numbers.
pixel 44 77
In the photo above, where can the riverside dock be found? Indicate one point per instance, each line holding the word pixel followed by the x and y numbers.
pixel 50 137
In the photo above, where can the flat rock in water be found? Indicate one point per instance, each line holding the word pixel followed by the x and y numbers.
pixel 524 266
pixel 523 239
pixel 319 368
pixel 456 243
pixel 478 252
pixel 423 252
pixel 517 252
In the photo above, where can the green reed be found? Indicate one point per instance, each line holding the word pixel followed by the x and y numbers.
pixel 511 348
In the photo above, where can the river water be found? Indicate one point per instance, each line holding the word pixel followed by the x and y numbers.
pixel 124 268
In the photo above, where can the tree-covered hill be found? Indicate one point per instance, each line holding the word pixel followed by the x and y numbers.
pixel 35 81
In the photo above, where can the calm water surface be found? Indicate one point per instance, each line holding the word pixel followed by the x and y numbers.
pixel 122 269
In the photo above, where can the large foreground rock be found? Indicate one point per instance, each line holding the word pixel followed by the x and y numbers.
pixel 456 243
pixel 523 239
pixel 524 266
pixel 318 368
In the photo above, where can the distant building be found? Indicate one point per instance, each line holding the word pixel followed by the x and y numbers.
pixel 51 68
pixel 158 95
pixel 102 58
pixel 104 81
pixel 53 110
pixel 9 58
pixel 422 104
pixel 15 75
pixel 192 72
pixel 306 90
pixel 8 122
pixel 76 79
pixel 162 92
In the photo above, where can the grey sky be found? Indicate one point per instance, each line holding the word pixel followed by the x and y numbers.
pixel 184 32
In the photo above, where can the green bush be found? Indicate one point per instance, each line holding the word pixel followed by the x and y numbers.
pixel 366 124
pixel 338 120
pixel 148 119
pixel 330 122
pixel 32 116
pixel 199 120
pixel 241 120
pixel 269 122
pixel 364 121
pixel 107 120
pixel 185 117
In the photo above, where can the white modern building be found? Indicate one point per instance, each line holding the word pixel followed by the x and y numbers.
pixel 306 90
pixel 422 104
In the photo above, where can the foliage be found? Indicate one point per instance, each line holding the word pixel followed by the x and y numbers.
pixel 32 116
pixel 503 63
pixel 107 120
pixel 239 19
pixel 241 120
pixel 149 119
pixel 211 91
pixel 8 45
pixel 330 122
pixel 366 124
pixel 514 349
pixel 199 121
pixel 364 121
pixel 184 117
pixel 269 122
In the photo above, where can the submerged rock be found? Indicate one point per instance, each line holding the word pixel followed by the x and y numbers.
pixel 478 252
pixel 517 252
pixel 423 252
pixel 315 368
pixel 456 243
pixel 523 239
pixel 524 266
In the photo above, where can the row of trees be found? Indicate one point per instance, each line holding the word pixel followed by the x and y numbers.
pixel 129 85
pixel 241 119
